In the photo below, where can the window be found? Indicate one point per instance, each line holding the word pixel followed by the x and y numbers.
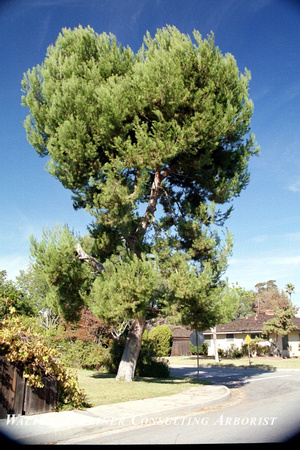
pixel 208 338
pixel 255 335
pixel 229 337
pixel 285 342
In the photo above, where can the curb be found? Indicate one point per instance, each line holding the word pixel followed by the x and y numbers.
pixel 62 426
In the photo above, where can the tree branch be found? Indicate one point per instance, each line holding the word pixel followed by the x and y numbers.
pixel 151 208
pixel 85 257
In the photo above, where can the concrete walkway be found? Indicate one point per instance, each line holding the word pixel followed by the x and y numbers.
pixel 64 426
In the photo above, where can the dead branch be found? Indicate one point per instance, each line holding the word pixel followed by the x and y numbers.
pixel 85 257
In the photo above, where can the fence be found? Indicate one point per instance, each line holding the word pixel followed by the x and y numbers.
pixel 17 397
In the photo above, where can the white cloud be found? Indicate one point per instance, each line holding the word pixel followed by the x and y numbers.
pixel 294 187
pixel 260 238
pixel 250 271
pixel 291 237
pixel 265 262
pixel 276 238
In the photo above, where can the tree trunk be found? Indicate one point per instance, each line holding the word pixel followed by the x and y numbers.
pixel 131 351
pixel 214 332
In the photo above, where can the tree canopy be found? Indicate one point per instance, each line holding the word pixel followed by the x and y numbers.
pixel 127 132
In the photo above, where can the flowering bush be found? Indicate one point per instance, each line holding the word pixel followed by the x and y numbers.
pixel 28 350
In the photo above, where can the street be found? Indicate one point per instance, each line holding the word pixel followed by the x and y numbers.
pixel 263 407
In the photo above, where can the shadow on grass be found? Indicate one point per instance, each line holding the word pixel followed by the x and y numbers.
pixel 170 380
pixel 224 363
pixel 243 366
pixel 103 375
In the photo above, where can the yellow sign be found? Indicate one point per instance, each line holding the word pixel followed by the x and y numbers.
pixel 248 339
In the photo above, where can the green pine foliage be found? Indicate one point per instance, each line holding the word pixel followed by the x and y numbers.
pixel 111 121
pixel 67 279
pixel 127 288
pixel 281 324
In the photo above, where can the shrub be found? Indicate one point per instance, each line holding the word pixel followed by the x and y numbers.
pixel 256 349
pixel 148 364
pixel 221 352
pixel 203 349
pixel 81 345
pixel 233 352
pixel 28 349
pixel 156 368
pixel 113 357
pixel 161 338
pixel 82 354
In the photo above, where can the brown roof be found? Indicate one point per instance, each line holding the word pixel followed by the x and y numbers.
pixel 296 322
pixel 249 324
pixel 180 332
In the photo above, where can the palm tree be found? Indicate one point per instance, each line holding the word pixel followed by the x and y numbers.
pixel 290 289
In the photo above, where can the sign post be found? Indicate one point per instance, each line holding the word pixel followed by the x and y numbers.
pixel 197 339
pixel 248 340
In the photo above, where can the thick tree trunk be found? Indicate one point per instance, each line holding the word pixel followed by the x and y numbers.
pixel 131 351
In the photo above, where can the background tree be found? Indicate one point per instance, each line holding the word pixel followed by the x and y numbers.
pixel 13 299
pixel 33 283
pixel 237 302
pixel 290 289
pixel 281 324
pixel 163 131
pixel 268 297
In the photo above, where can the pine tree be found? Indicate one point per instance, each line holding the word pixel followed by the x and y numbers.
pixel 163 132
pixel 68 281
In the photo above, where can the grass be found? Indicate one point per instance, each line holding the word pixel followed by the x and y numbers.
pixel 258 362
pixel 103 389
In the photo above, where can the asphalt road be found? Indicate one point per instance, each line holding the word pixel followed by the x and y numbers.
pixel 263 408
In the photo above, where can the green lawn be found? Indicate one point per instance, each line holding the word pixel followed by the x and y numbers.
pixel 102 389
pixel 272 363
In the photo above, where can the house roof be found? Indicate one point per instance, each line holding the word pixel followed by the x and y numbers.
pixel 250 324
pixel 180 332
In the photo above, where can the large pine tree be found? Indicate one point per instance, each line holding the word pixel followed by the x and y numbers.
pixel 149 144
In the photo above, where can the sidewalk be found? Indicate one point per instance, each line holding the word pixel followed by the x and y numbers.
pixel 64 426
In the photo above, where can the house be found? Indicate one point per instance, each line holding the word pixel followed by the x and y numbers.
pixel 234 333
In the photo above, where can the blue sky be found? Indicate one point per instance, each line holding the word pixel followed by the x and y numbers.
pixel 263 35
